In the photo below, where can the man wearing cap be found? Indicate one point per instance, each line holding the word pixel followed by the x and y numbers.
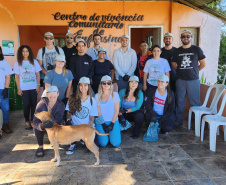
pixel 47 54
pixel 188 60
pixel 69 48
pixel 167 53
pixel 81 65
pixel 125 62
pixel 93 52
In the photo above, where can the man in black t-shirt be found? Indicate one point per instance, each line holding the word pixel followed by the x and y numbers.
pixel 167 53
pixel 69 48
pixel 186 61
pixel 81 64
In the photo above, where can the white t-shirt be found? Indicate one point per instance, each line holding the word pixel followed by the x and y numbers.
pixel 108 109
pixel 48 58
pixel 27 74
pixel 159 102
pixel 82 117
pixel 5 69
pixel 155 68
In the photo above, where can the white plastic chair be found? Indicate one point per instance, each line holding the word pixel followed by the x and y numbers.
pixel 200 110
pixel 214 122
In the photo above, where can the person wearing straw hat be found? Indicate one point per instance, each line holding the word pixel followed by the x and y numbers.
pixel 102 67
pixel 160 105
pixel 81 65
pixel 69 48
pixel 51 104
pixel 108 103
pixel 131 101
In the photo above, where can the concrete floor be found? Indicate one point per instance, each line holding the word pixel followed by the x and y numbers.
pixel 177 158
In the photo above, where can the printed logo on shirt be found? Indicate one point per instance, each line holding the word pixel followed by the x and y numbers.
pixel 66 80
pixel 185 64
pixel 155 72
pixel 48 63
pixel 159 101
pixel 73 53
pixel 83 113
pixel 27 76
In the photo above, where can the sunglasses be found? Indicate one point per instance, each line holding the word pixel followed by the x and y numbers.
pixel 69 37
pixel 186 36
pixel 106 83
pixel 52 92
pixel 50 38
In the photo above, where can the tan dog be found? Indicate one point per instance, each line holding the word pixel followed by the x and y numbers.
pixel 65 135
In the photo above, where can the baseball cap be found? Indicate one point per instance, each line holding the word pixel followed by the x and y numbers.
pixel 69 33
pixel 84 80
pixel 60 58
pixel 52 88
pixel 163 78
pixel 168 34
pixel 125 36
pixel 134 78
pixel 105 78
pixel 80 40
pixel 48 33
pixel 102 49
pixel 186 31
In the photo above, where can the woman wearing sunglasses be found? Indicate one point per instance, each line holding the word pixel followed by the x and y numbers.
pixel 108 110
pixel 52 104
pixel 102 67
pixel 27 79
pixel 131 102
pixel 154 68
pixel 60 77
pixel 81 108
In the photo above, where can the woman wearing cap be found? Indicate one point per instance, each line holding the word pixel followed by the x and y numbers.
pixel 60 77
pixel 108 110
pixel 27 79
pixel 52 104
pixel 102 67
pixel 160 105
pixel 131 102
pixel 81 107
pixel 154 68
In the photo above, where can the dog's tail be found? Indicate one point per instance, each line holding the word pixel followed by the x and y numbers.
pixel 101 133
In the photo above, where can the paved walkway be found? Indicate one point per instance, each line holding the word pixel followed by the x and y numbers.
pixel 177 158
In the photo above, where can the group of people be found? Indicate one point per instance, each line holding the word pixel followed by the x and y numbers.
pixel 79 86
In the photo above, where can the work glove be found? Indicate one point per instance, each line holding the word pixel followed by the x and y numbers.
pixel 110 127
pixel 122 110
pixel 47 124
pixel 125 77
pixel 122 120
pixel 105 128
pixel 5 93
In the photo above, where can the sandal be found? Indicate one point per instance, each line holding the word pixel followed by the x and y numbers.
pixel 28 126
pixel 38 151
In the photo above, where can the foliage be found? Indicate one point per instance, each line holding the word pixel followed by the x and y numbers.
pixel 203 80
pixel 216 6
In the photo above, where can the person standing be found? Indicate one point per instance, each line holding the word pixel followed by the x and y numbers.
pixel 47 54
pixel 69 48
pixel 167 53
pixel 93 52
pixel 81 65
pixel 186 61
pixel 5 72
pixel 125 62
pixel 27 79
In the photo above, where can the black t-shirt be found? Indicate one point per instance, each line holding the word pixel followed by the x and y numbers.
pixel 69 52
pixel 101 69
pixel 187 60
pixel 81 66
pixel 168 54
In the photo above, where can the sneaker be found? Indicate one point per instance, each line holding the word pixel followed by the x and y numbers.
pixel 71 149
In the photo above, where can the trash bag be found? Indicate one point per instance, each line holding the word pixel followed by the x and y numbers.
pixel 128 125
pixel 152 133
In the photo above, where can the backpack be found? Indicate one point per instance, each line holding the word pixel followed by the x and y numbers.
pixel 44 49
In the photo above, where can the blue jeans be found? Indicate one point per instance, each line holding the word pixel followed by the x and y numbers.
pixel 191 88
pixel 115 135
pixel 121 83
pixel 4 103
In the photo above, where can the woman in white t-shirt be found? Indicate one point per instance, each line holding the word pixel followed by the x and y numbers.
pixel 160 105
pixel 108 103
pixel 81 108
pixel 154 68
pixel 27 79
